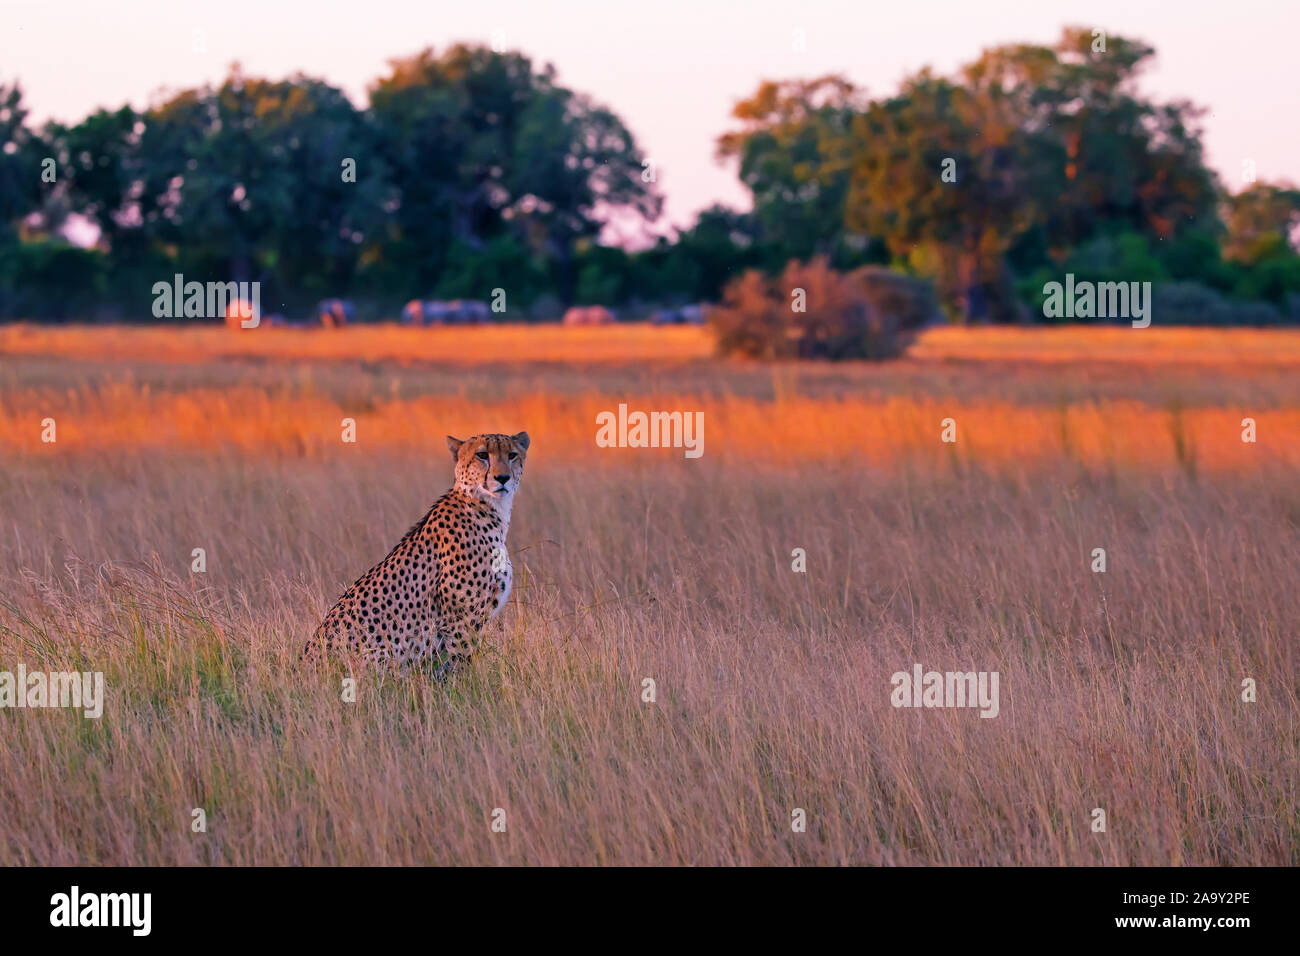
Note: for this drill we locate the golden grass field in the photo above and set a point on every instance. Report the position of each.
(1119, 690)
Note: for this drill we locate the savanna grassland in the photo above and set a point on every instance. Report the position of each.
(1119, 690)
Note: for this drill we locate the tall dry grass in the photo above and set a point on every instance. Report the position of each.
(1118, 690)
(630, 342)
(389, 342)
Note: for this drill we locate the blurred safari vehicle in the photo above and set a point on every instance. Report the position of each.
(456, 312)
(589, 315)
(692, 314)
(334, 313)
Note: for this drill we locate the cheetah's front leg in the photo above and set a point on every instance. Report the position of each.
(458, 647)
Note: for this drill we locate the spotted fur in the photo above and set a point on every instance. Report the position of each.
(447, 577)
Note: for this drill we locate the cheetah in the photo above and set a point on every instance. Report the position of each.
(447, 577)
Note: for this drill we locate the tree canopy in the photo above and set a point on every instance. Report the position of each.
(470, 169)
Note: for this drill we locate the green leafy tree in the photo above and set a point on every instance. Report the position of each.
(21, 151)
(1130, 163)
(1261, 221)
(99, 158)
(249, 178)
(242, 181)
(948, 190)
(1050, 147)
(482, 145)
(794, 154)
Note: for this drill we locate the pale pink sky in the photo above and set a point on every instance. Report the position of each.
(671, 68)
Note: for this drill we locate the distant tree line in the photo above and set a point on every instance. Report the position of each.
(474, 170)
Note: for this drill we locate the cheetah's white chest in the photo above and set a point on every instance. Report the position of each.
(502, 579)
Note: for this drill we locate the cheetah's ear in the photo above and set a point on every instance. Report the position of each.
(454, 444)
(521, 440)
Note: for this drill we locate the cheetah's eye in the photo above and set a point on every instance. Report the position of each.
(482, 456)
(514, 455)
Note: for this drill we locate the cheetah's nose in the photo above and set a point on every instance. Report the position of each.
(502, 478)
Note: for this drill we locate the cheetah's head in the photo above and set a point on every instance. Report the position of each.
(490, 466)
